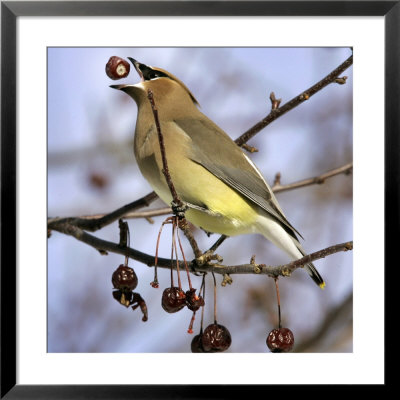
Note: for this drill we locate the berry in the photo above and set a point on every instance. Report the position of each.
(216, 338)
(173, 299)
(117, 68)
(196, 345)
(124, 298)
(280, 340)
(124, 278)
(193, 301)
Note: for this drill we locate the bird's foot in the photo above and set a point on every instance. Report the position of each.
(208, 256)
(179, 209)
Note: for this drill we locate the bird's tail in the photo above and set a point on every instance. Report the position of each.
(312, 271)
(315, 276)
(285, 238)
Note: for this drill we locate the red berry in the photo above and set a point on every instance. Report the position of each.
(280, 340)
(173, 299)
(196, 345)
(124, 278)
(193, 301)
(117, 68)
(216, 338)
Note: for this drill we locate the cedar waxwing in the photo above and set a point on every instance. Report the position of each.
(224, 190)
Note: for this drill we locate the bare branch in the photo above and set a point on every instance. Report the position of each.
(92, 224)
(105, 219)
(104, 246)
(278, 112)
(165, 170)
(317, 180)
(150, 213)
(280, 270)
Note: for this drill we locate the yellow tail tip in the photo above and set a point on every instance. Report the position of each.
(322, 285)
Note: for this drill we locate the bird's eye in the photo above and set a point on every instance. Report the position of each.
(149, 74)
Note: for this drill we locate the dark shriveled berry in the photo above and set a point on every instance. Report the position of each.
(117, 68)
(216, 338)
(280, 340)
(193, 301)
(124, 278)
(196, 345)
(124, 298)
(173, 299)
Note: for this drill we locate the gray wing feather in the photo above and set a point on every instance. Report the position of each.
(237, 172)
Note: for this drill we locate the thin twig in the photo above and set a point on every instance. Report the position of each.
(317, 180)
(149, 213)
(93, 224)
(277, 187)
(274, 101)
(250, 149)
(165, 170)
(278, 112)
(218, 243)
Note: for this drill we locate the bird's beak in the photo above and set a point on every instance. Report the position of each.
(119, 87)
(137, 66)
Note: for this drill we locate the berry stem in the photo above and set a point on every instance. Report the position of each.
(203, 286)
(176, 250)
(155, 281)
(172, 259)
(190, 329)
(184, 259)
(215, 299)
(128, 242)
(279, 302)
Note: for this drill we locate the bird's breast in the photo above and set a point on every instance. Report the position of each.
(227, 211)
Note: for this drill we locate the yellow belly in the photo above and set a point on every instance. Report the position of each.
(228, 212)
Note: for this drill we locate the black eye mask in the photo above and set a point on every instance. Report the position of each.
(149, 74)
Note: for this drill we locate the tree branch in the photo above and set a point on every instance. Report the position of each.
(104, 246)
(93, 223)
(316, 180)
(165, 169)
(82, 222)
(277, 111)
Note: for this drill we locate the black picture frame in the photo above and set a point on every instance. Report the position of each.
(11, 10)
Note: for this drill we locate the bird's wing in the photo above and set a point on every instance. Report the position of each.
(224, 159)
